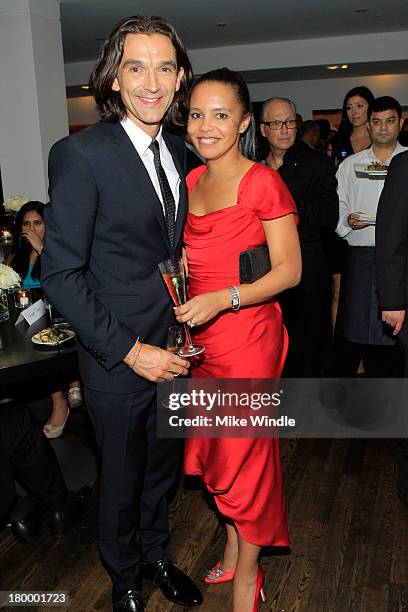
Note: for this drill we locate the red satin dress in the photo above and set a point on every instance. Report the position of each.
(243, 474)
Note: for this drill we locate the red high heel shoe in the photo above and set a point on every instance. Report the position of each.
(259, 588)
(217, 575)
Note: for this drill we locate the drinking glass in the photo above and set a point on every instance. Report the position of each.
(22, 298)
(172, 271)
(4, 310)
(176, 339)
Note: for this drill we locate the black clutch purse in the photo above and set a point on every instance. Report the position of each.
(254, 264)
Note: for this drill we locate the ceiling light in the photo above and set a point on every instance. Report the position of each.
(337, 67)
(84, 86)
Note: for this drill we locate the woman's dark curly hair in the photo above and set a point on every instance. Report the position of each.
(109, 102)
(21, 247)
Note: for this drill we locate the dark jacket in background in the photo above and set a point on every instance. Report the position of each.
(310, 177)
(391, 237)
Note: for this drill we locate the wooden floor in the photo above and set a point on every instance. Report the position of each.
(349, 535)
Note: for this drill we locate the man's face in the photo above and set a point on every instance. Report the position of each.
(283, 138)
(385, 127)
(147, 79)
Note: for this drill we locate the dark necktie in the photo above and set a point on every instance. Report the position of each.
(168, 200)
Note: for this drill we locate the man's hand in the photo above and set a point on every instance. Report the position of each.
(395, 318)
(354, 222)
(155, 364)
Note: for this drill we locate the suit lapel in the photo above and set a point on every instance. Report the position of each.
(138, 174)
(175, 145)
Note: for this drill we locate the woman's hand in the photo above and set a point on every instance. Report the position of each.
(204, 307)
(33, 239)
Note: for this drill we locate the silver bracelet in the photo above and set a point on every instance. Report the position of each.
(235, 299)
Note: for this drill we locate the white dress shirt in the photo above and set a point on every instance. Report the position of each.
(359, 194)
(141, 141)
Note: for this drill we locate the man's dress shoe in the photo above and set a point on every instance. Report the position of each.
(127, 601)
(173, 583)
(59, 523)
(26, 520)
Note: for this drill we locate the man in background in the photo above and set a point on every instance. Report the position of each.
(360, 333)
(391, 235)
(310, 177)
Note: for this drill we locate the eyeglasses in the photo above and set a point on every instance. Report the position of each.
(291, 124)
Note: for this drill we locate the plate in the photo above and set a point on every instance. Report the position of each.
(370, 220)
(69, 335)
(364, 169)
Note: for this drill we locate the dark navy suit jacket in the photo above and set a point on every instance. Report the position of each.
(105, 235)
(391, 237)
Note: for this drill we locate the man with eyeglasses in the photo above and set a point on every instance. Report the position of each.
(310, 177)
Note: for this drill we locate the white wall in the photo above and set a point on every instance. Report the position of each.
(386, 46)
(329, 93)
(307, 95)
(32, 94)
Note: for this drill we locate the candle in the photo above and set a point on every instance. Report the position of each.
(23, 299)
(6, 235)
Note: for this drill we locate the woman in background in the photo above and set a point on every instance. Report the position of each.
(236, 204)
(29, 231)
(353, 135)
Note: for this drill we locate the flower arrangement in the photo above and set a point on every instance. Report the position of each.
(14, 203)
(8, 277)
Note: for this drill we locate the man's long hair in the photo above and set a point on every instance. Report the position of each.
(109, 102)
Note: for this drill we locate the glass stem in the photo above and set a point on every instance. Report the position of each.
(188, 337)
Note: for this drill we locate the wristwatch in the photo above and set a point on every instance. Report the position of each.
(235, 299)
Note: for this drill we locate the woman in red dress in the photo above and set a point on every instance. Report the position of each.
(236, 204)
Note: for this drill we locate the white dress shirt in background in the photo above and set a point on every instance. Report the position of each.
(141, 141)
(359, 194)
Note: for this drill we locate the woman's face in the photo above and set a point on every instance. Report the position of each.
(33, 221)
(216, 119)
(356, 108)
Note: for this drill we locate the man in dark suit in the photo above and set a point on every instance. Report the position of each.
(118, 207)
(310, 177)
(391, 238)
(26, 455)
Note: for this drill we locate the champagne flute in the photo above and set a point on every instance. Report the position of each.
(172, 271)
(176, 339)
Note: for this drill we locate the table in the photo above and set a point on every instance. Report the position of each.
(21, 360)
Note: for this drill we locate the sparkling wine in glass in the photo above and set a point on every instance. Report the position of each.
(172, 271)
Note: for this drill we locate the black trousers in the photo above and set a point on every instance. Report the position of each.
(379, 361)
(306, 315)
(137, 471)
(26, 455)
(402, 446)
